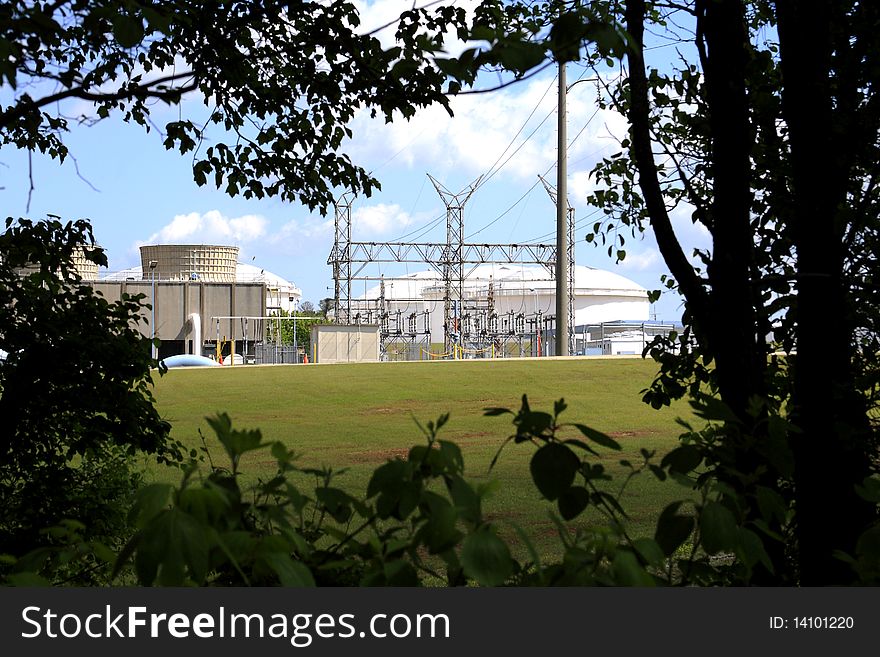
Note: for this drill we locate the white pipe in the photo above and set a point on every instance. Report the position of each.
(197, 333)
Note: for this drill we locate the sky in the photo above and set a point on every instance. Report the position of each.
(135, 192)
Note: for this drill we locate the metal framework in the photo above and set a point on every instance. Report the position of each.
(551, 190)
(449, 259)
(340, 258)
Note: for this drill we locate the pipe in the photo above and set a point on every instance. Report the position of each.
(197, 333)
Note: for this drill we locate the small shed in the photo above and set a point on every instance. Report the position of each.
(345, 343)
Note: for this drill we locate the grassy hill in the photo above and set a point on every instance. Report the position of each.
(357, 416)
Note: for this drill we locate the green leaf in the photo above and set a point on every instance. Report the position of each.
(776, 448)
(573, 501)
(750, 549)
(290, 572)
(206, 505)
(519, 56)
(149, 502)
(234, 441)
(486, 558)
(171, 547)
(650, 551)
(869, 489)
(26, 579)
(439, 532)
(400, 573)
(673, 529)
(682, 459)
(157, 20)
(466, 500)
(388, 477)
(628, 571)
(771, 504)
(336, 501)
(559, 406)
(868, 553)
(452, 457)
(496, 410)
(553, 468)
(533, 423)
(566, 36)
(128, 30)
(598, 437)
(718, 528)
(711, 408)
(398, 492)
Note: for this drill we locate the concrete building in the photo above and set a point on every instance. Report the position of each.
(203, 296)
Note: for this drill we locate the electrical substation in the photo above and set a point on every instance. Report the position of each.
(479, 300)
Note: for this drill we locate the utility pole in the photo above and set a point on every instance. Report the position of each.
(562, 289)
(570, 210)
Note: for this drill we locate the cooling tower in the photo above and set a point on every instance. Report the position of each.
(82, 266)
(181, 262)
(87, 269)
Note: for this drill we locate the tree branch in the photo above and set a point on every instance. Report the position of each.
(145, 90)
(688, 281)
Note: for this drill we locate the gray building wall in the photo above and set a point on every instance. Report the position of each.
(176, 301)
(345, 343)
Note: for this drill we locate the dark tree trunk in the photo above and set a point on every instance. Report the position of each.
(739, 352)
(831, 447)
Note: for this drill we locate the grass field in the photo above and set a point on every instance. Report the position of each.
(359, 415)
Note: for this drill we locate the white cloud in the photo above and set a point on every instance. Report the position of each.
(379, 219)
(212, 227)
(641, 261)
(483, 126)
(580, 186)
(295, 230)
(376, 220)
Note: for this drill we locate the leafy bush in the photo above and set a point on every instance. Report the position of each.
(75, 393)
(421, 522)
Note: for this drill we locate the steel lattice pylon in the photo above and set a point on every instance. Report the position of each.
(448, 259)
(453, 260)
(340, 259)
(551, 190)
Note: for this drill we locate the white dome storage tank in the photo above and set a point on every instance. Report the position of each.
(599, 295)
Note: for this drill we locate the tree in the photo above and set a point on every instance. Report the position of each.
(280, 81)
(75, 393)
(745, 129)
(749, 132)
(283, 331)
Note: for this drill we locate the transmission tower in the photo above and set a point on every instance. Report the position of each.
(340, 258)
(448, 259)
(551, 190)
(453, 259)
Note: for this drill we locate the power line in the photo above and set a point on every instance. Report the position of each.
(490, 173)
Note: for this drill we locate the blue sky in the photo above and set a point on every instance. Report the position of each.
(137, 192)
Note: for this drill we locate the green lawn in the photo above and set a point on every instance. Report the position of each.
(359, 415)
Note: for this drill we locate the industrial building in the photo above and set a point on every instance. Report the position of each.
(201, 297)
(205, 302)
